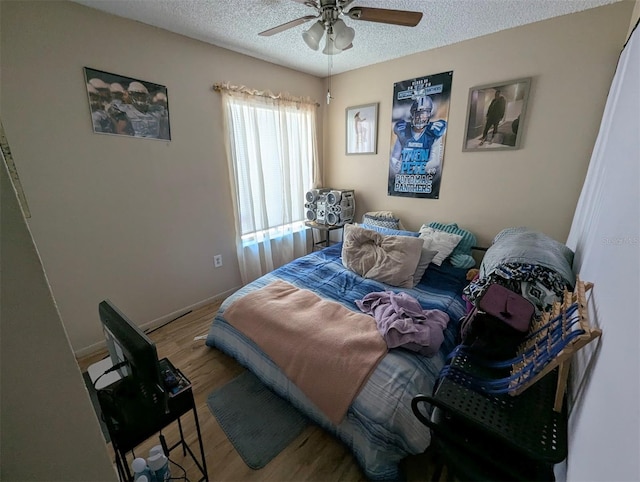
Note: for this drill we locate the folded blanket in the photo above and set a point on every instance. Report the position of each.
(526, 246)
(403, 323)
(327, 350)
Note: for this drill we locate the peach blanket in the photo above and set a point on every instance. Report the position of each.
(327, 350)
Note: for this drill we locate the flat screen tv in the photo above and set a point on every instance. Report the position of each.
(130, 347)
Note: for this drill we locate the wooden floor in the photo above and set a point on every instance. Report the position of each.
(314, 455)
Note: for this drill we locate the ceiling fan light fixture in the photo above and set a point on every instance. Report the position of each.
(343, 34)
(330, 46)
(313, 36)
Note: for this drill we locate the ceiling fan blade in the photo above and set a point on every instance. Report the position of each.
(383, 15)
(288, 25)
(308, 3)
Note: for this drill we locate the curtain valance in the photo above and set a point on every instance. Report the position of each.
(284, 97)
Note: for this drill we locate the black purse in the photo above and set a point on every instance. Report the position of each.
(497, 325)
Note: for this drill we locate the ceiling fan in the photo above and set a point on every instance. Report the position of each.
(339, 35)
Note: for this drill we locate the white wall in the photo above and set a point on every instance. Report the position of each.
(571, 60)
(49, 430)
(134, 220)
(605, 418)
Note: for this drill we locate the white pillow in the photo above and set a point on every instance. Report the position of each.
(440, 241)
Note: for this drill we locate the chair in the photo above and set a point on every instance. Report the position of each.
(507, 420)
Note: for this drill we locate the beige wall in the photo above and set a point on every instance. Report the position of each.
(571, 60)
(635, 16)
(137, 221)
(49, 429)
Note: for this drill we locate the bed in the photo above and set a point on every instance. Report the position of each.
(377, 424)
(379, 427)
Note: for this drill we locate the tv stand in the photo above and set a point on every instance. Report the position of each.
(131, 419)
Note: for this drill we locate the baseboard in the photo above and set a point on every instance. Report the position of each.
(163, 320)
(158, 322)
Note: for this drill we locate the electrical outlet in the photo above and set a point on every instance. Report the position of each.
(217, 260)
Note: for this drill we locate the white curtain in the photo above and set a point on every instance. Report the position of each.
(272, 155)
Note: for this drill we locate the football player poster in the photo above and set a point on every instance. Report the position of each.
(419, 119)
(129, 107)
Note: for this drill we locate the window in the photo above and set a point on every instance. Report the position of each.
(273, 166)
(273, 161)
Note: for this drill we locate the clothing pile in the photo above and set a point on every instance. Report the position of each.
(403, 323)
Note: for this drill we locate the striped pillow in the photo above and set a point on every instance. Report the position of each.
(389, 232)
(461, 255)
(381, 221)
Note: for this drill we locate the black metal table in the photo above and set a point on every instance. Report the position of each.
(482, 436)
(325, 240)
(131, 420)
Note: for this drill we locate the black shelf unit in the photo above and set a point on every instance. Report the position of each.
(131, 420)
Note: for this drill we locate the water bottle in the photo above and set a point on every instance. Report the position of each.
(157, 449)
(158, 465)
(141, 472)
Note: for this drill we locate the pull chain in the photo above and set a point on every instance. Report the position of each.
(329, 62)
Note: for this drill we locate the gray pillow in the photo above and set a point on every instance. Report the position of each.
(528, 246)
(426, 256)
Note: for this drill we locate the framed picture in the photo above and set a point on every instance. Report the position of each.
(124, 106)
(496, 115)
(362, 129)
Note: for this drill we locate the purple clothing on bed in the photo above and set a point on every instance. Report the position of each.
(403, 323)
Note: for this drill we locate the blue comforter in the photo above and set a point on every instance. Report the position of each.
(379, 428)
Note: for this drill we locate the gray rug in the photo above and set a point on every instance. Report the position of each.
(258, 423)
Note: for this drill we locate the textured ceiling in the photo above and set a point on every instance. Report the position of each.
(235, 24)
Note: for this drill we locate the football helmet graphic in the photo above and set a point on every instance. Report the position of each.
(160, 99)
(99, 84)
(117, 91)
(95, 101)
(139, 96)
(421, 111)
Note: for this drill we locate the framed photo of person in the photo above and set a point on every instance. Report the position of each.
(496, 115)
(362, 129)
